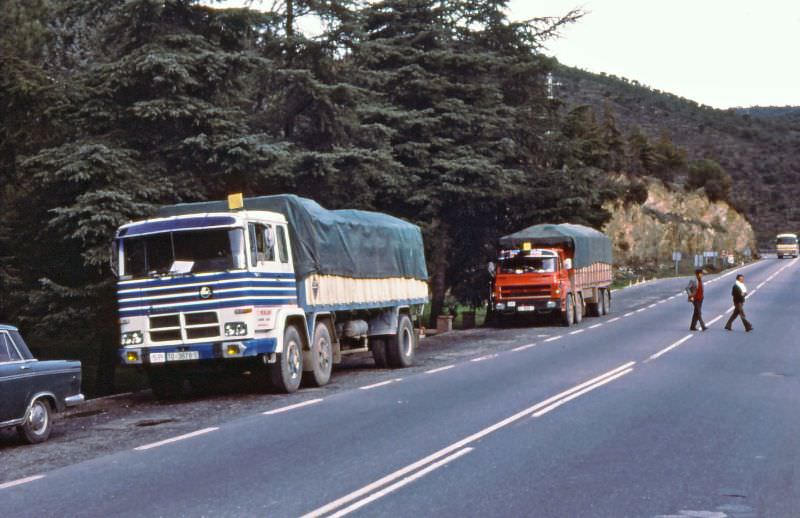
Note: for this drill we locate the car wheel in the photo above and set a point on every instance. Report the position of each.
(38, 423)
(287, 372)
(321, 355)
(400, 348)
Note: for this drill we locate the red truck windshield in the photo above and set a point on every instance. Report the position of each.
(527, 264)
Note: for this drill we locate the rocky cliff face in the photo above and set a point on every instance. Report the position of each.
(647, 234)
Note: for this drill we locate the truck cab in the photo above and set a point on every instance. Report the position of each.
(213, 286)
(529, 281)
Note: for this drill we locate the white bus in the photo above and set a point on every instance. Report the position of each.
(786, 245)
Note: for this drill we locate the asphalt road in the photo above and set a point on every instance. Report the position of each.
(625, 415)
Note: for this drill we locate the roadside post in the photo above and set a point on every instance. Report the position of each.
(676, 257)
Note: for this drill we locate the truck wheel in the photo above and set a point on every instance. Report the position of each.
(594, 309)
(579, 308)
(568, 317)
(38, 423)
(401, 347)
(606, 301)
(321, 355)
(377, 344)
(164, 384)
(287, 372)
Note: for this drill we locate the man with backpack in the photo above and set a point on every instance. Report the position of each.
(739, 293)
(695, 290)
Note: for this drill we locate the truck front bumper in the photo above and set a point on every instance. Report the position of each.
(509, 307)
(175, 354)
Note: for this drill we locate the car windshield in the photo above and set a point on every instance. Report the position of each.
(192, 251)
(787, 240)
(526, 264)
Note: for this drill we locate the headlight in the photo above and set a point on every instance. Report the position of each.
(512, 304)
(132, 338)
(500, 305)
(235, 329)
(551, 303)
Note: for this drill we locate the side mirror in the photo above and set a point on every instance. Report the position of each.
(568, 264)
(491, 268)
(113, 258)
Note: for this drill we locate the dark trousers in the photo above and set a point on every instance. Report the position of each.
(738, 311)
(697, 316)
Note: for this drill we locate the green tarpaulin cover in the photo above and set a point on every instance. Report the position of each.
(589, 245)
(350, 243)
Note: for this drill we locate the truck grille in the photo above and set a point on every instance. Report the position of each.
(169, 328)
(516, 292)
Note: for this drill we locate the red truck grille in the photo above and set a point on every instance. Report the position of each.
(515, 292)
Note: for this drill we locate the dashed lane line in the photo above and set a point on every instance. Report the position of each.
(578, 394)
(292, 407)
(613, 319)
(440, 369)
(381, 384)
(20, 481)
(629, 314)
(483, 358)
(554, 338)
(668, 349)
(523, 347)
(178, 438)
(577, 331)
(595, 326)
(715, 319)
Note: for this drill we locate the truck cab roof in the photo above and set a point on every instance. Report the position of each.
(196, 221)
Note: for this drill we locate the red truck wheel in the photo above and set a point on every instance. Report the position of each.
(568, 317)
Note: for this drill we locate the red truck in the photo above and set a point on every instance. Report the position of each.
(561, 270)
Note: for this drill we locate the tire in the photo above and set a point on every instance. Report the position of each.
(579, 308)
(568, 317)
(287, 372)
(601, 303)
(164, 384)
(400, 348)
(38, 423)
(606, 301)
(321, 355)
(377, 345)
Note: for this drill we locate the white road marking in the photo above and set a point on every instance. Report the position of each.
(440, 369)
(580, 393)
(671, 347)
(176, 439)
(523, 347)
(730, 309)
(640, 310)
(628, 314)
(391, 477)
(613, 319)
(651, 306)
(595, 326)
(20, 481)
(577, 331)
(482, 358)
(715, 319)
(381, 384)
(672, 297)
(553, 338)
(760, 285)
(397, 485)
(292, 407)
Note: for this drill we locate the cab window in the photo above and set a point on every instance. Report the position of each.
(262, 243)
(283, 250)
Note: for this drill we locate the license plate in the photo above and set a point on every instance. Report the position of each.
(526, 308)
(183, 356)
(158, 357)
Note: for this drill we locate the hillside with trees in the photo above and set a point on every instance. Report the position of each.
(758, 147)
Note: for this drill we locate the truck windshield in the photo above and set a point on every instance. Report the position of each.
(788, 240)
(191, 251)
(527, 264)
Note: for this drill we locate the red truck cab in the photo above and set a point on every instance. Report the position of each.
(535, 273)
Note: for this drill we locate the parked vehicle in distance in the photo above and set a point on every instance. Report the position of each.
(275, 285)
(787, 246)
(562, 270)
(33, 391)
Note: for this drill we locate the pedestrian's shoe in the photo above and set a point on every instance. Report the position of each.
(728, 328)
(749, 329)
(705, 327)
(692, 329)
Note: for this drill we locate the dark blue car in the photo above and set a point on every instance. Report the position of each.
(33, 391)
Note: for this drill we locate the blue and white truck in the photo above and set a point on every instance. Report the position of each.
(275, 285)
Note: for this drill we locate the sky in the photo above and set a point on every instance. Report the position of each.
(721, 53)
